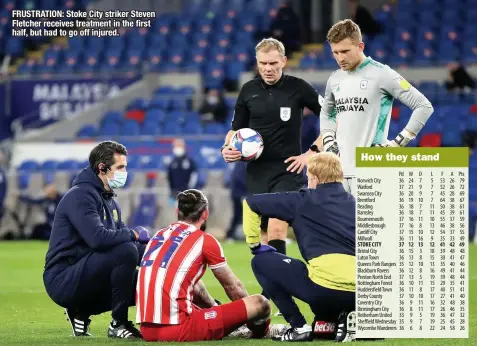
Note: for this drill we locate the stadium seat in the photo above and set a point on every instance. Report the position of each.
(109, 129)
(471, 123)
(14, 46)
(451, 138)
(29, 165)
(186, 90)
(151, 128)
(192, 128)
(146, 212)
(160, 101)
(28, 67)
(49, 165)
(138, 104)
(116, 44)
(431, 140)
(112, 117)
(214, 129)
(155, 115)
(130, 128)
(171, 128)
(69, 165)
(49, 177)
(23, 180)
(87, 131)
(179, 103)
(77, 43)
(150, 162)
(136, 115)
(133, 159)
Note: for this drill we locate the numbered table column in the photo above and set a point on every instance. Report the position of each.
(459, 252)
(411, 242)
(452, 242)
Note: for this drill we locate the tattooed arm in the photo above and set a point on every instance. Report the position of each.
(202, 298)
(234, 289)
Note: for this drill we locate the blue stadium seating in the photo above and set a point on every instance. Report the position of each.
(168, 114)
(215, 38)
(220, 33)
(87, 131)
(49, 165)
(29, 166)
(70, 165)
(15, 46)
(425, 36)
(146, 212)
(421, 33)
(23, 180)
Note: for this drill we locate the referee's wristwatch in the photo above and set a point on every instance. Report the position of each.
(314, 148)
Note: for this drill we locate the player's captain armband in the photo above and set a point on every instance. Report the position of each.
(329, 142)
(404, 84)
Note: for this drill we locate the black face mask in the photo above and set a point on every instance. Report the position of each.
(203, 227)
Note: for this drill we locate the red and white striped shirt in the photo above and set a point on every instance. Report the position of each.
(174, 261)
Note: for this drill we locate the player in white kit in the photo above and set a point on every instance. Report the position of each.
(360, 96)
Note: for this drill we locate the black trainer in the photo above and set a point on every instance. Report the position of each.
(79, 324)
(296, 334)
(346, 331)
(124, 330)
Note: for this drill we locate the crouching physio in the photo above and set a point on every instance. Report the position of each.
(323, 219)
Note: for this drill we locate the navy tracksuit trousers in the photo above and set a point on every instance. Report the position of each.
(98, 282)
(283, 278)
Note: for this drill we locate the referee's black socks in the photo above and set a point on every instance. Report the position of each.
(280, 245)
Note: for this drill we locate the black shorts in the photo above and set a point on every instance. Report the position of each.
(272, 176)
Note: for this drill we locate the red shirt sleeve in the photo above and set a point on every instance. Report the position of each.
(213, 252)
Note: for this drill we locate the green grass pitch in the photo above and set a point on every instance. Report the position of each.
(29, 317)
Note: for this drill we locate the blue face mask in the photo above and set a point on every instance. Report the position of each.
(118, 181)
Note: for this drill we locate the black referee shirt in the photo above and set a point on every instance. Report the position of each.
(276, 111)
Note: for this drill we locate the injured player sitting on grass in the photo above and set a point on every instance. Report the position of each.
(173, 303)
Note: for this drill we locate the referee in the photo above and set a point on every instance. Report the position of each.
(272, 105)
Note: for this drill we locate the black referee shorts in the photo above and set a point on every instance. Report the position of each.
(269, 177)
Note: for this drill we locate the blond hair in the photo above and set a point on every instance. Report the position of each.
(343, 30)
(326, 167)
(268, 44)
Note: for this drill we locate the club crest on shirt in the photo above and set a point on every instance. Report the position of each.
(363, 84)
(210, 315)
(285, 113)
(115, 215)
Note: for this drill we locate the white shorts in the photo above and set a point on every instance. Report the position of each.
(349, 184)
